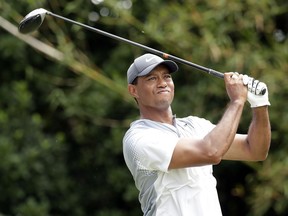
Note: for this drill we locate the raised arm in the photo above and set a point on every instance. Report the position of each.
(255, 145)
(223, 142)
(211, 149)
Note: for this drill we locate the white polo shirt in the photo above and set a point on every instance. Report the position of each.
(148, 147)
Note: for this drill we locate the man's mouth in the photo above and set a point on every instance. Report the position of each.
(163, 91)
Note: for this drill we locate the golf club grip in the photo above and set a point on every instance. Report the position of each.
(207, 70)
(199, 67)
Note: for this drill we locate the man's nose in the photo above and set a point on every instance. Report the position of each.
(162, 83)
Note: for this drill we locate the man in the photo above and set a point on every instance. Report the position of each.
(171, 158)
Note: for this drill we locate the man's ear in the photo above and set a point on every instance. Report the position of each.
(132, 90)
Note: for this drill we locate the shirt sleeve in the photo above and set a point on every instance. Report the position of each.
(154, 149)
(201, 126)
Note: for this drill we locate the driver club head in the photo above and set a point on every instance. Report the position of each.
(32, 21)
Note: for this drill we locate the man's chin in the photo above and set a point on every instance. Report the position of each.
(164, 104)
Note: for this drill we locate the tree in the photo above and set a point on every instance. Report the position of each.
(63, 116)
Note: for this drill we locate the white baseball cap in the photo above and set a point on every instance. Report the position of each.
(144, 64)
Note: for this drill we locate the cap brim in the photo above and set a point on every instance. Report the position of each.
(172, 67)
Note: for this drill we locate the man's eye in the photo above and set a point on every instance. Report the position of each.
(151, 78)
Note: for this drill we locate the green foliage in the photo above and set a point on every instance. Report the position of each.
(61, 132)
(270, 195)
(33, 169)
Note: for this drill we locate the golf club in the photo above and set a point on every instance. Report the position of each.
(34, 19)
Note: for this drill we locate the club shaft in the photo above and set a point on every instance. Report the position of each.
(149, 49)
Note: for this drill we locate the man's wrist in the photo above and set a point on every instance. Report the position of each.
(238, 102)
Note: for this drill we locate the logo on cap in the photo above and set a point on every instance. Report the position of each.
(149, 59)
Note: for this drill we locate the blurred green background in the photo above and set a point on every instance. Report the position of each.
(64, 106)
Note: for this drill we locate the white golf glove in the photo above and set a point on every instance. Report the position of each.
(257, 92)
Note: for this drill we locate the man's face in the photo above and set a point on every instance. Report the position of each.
(155, 90)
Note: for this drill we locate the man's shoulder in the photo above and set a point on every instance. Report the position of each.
(194, 122)
(192, 119)
(139, 127)
(148, 128)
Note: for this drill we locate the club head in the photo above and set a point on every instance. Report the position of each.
(32, 21)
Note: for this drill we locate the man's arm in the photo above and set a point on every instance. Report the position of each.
(210, 150)
(255, 145)
(223, 142)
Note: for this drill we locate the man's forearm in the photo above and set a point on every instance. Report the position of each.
(223, 134)
(259, 134)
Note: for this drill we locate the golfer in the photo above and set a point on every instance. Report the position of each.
(171, 158)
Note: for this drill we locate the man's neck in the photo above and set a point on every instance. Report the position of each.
(163, 116)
